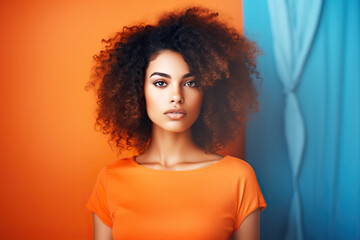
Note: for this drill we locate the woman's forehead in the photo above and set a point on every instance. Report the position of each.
(168, 64)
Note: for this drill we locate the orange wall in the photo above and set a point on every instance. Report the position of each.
(50, 153)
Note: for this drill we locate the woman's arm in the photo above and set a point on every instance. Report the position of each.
(249, 228)
(101, 230)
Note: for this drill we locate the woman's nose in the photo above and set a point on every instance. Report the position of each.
(177, 95)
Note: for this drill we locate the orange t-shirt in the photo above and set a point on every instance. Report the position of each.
(206, 203)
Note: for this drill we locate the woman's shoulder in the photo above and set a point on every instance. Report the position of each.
(240, 166)
(117, 164)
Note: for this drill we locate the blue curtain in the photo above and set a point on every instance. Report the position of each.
(305, 142)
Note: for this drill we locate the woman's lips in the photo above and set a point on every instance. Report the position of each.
(175, 113)
(175, 116)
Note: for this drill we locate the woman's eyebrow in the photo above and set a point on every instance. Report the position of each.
(168, 76)
(188, 75)
(161, 74)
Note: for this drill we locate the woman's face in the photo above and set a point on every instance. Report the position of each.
(173, 101)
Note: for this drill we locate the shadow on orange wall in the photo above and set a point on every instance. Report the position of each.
(50, 153)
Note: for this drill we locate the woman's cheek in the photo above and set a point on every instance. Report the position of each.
(195, 103)
(154, 103)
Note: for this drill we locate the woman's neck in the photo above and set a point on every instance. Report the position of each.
(170, 148)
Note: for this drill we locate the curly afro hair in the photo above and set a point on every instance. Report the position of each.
(221, 60)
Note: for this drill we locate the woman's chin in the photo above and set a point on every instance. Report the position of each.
(173, 128)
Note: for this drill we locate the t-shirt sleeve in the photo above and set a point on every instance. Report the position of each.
(98, 202)
(250, 197)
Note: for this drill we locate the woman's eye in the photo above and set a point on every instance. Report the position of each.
(160, 84)
(190, 84)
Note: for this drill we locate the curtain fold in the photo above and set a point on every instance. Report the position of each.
(315, 48)
(294, 24)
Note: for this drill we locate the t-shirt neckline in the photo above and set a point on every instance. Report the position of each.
(132, 159)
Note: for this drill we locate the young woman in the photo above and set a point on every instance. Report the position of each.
(176, 92)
